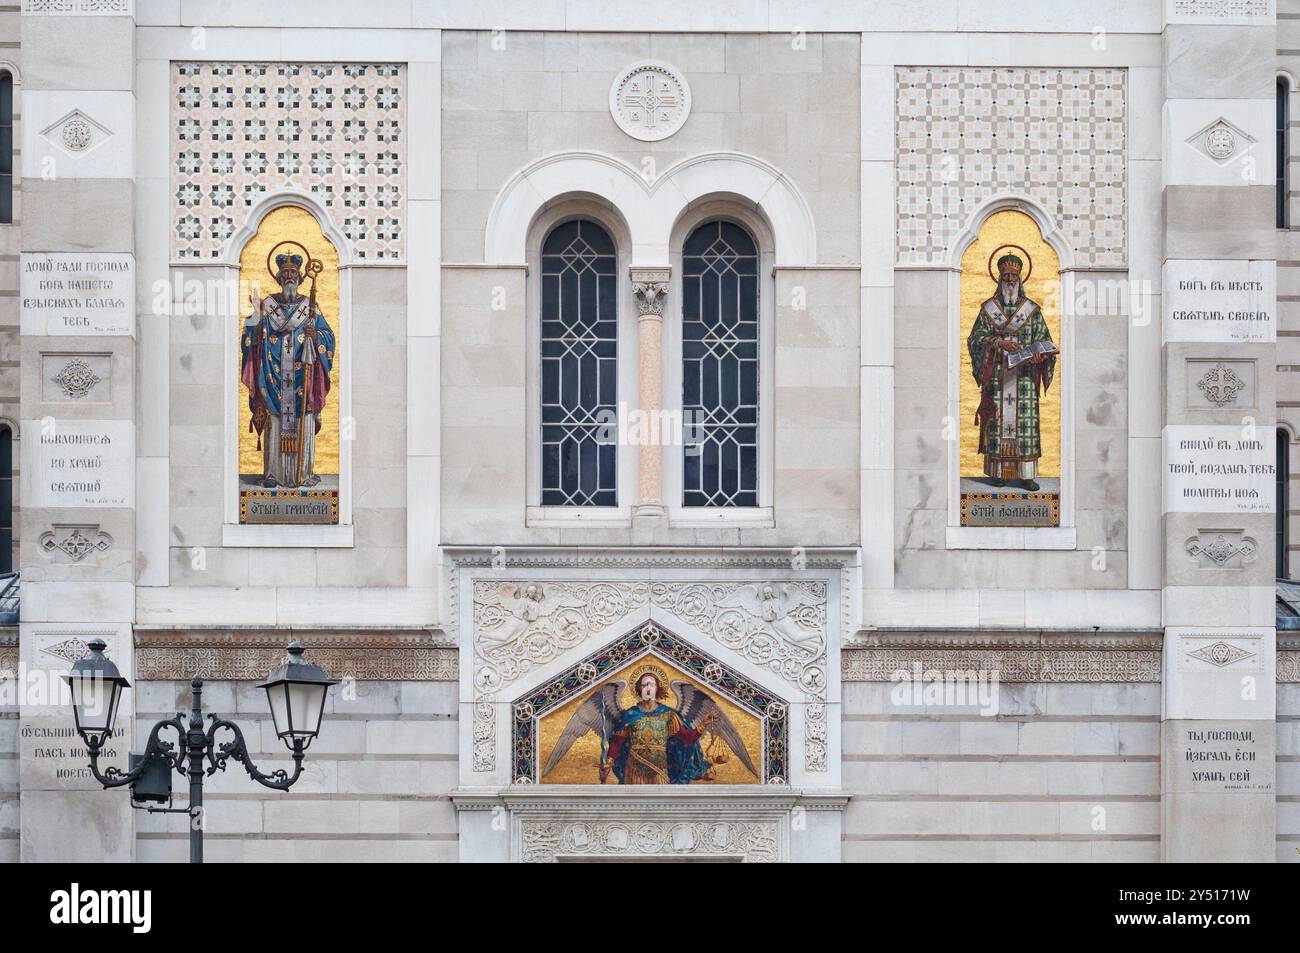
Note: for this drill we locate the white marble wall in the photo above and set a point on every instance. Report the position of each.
(374, 787)
(859, 381)
(1067, 772)
(510, 98)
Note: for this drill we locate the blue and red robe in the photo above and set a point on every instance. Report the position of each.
(656, 747)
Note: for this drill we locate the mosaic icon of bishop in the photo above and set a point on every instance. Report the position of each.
(286, 354)
(1014, 359)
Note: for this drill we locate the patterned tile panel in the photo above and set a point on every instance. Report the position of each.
(967, 134)
(335, 131)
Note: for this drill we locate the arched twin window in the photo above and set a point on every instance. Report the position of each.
(579, 393)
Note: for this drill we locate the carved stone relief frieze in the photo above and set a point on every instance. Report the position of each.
(236, 655)
(1222, 548)
(1017, 658)
(76, 377)
(1220, 384)
(547, 841)
(73, 544)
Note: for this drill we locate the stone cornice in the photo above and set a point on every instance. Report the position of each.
(522, 557)
(616, 800)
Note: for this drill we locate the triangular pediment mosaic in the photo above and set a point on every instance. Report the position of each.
(602, 721)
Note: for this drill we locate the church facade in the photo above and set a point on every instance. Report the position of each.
(870, 426)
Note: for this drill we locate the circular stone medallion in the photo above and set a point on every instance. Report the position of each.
(76, 134)
(1220, 143)
(650, 101)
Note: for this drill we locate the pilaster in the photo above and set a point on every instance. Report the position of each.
(1217, 347)
(78, 313)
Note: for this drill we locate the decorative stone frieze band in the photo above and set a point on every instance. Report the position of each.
(547, 841)
(233, 655)
(1019, 657)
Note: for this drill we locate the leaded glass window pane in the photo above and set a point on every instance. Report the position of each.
(6, 499)
(1283, 91)
(720, 366)
(579, 366)
(6, 148)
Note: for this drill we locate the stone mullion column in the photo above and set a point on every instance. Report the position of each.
(1218, 416)
(650, 290)
(78, 317)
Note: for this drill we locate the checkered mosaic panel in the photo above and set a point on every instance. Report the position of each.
(967, 134)
(332, 130)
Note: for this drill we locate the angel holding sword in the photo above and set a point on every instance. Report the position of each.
(650, 742)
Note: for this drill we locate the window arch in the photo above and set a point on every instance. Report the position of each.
(578, 395)
(6, 147)
(720, 366)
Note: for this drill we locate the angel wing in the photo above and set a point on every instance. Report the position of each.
(697, 706)
(588, 718)
(748, 598)
(792, 597)
(497, 594)
(555, 600)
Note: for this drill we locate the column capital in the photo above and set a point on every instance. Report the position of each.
(650, 288)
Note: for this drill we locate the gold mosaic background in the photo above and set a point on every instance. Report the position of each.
(290, 223)
(1011, 228)
(579, 766)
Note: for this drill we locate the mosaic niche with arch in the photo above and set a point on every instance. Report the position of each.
(718, 727)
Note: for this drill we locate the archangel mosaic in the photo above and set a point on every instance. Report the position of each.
(725, 434)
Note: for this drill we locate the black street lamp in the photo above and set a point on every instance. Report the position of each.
(295, 689)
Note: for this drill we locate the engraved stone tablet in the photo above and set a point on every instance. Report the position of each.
(1214, 756)
(77, 293)
(1217, 469)
(1220, 301)
(80, 463)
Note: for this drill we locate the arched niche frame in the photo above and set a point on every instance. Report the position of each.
(236, 309)
(556, 212)
(1064, 535)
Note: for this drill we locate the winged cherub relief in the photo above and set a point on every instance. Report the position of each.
(652, 742)
(521, 606)
(791, 611)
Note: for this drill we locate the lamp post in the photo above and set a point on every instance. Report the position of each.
(295, 690)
